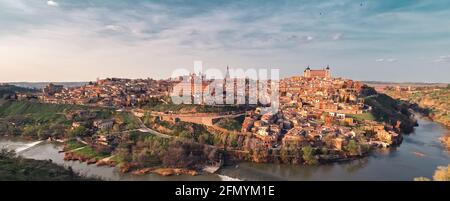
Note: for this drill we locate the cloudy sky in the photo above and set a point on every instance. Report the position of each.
(80, 40)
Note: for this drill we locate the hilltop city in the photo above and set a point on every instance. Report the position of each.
(133, 123)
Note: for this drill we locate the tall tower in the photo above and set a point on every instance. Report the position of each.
(327, 72)
(307, 72)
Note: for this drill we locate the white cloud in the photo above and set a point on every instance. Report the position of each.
(114, 27)
(220, 34)
(390, 60)
(442, 59)
(336, 36)
(52, 3)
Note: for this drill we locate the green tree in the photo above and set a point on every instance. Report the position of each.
(124, 154)
(308, 155)
(290, 153)
(43, 133)
(353, 148)
(442, 174)
(78, 132)
(233, 141)
(30, 130)
(146, 158)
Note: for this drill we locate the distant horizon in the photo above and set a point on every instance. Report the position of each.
(86, 81)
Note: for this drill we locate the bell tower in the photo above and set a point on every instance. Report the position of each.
(327, 72)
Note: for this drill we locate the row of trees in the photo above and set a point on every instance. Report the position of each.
(152, 151)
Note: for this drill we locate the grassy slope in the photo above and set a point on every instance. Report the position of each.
(436, 100)
(232, 124)
(364, 116)
(40, 110)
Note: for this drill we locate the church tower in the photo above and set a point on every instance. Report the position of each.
(307, 72)
(327, 72)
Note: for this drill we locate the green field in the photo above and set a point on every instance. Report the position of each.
(89, 152)
(232, 124)
(34, 120)
(364, 116)
(41, 112)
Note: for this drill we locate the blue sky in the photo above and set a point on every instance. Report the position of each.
(74, 40)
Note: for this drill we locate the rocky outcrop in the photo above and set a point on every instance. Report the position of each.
(106, 162)
(165, 171)
(446, 141)
(393, 112)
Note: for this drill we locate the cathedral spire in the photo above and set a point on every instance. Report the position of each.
(227, 75)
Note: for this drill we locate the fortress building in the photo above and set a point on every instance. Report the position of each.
(324, 73)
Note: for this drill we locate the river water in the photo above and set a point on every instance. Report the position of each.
(419, 155)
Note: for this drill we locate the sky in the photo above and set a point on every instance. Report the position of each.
(82, 40)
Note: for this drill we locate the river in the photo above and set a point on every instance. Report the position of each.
(419, 155)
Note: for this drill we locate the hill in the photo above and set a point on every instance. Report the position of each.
(7, 89)
(389, 110)
(431, 101)
(41, 85)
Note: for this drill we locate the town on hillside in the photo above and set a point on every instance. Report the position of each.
(320, 119)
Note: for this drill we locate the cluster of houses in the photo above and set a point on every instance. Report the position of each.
(111, 92)
(315, 109)
(319, 110)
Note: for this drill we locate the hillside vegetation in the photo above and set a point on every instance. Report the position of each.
(13, 168)
(432, 101)
(387, 109)
(33, 120)
(6, 89)
(39, 111)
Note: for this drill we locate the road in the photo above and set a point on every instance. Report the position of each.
(143, 128)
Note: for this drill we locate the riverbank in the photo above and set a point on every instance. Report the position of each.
(165, 171)
(76, 153)
(433, 102)
(446, 140)
(73, 151)
(16, 168)
(52, 151)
